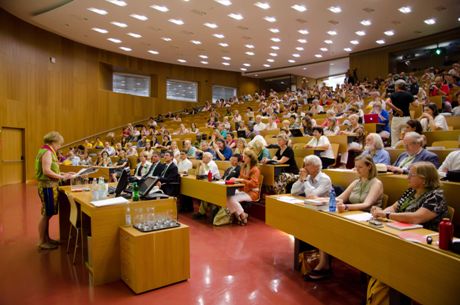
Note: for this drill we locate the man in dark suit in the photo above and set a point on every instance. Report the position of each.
(169, 177)
(234, 170)
(157, 167)
(414, 153)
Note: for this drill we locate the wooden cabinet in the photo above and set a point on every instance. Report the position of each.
(155, 259)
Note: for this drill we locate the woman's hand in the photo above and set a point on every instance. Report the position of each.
(377, 212)
(341, 207)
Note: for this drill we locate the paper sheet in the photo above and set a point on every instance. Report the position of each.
(109, 201)
(289, 199)
(363, 216)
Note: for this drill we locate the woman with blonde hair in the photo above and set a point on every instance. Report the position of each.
(260, 150)
(240, 146)
(249, 176)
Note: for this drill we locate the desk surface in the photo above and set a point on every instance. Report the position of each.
(423, 272)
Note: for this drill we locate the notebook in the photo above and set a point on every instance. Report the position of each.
(403, 226)
(371, 118)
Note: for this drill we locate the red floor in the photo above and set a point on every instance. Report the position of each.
(229, 265)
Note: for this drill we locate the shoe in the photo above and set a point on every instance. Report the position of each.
(243, 219)
(198, 216)
(47, 246)
(54, 242)
(316, 275)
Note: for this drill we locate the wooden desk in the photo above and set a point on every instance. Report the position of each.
(432, 136)
(102, 171)
(441, 153)
(271, 172)
(422, 272)
(102, 255)
(212, 192)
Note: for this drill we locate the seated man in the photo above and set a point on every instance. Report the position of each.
(109, 149)
(204, 148)
(234, 170)
(169, 177)
(190, 149)
(414, 153)
(452, 162)
(223, 152)
(259, 125)
(184, 164)
(312, 182)
(206, 165)
(157, 167)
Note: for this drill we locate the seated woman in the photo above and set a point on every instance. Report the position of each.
(230, 141)
(411, 125)
(194, 129)
(332, 128)
(361, 194)
(431, 120)
(260, 150)
(422, 203)
(85, 159)
(249, 176)
(384, 118)
(122, 162)
(355, 130)
(182, 130)
(374, 148)
(240, 146)
(320, 141)
(104, 160)
(131, 150)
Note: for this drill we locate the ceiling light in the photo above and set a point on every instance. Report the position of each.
(249, 46)
(224, 2)
(335, 9)
(291, 61)
(203, 56)
(332, 33)
(243, 69)
(266, 65)
(139, 17)
(119, 24)
(204, 62)
(97, 11)
(405, 9)
(299, 7)
(226, 64)
(304, 68)
(262, 5)
(226, 58)
(430, 21)
(355, 42)
(250, 53)
(154, 52)
(114, 40)
(181, 60)
(246, 65)
(236, 16)
(347, 50)
(275, 47)
(273, 30)
(126, 49)
(220, 36)
(270, 19)
(302, 40)
(328, 41)
(99, 30)
(360, 33)
(275, 39)
(223, 44)
(166, 38)
(295, 55)
(195, 42)
(273, 54)
(324, 49)
(389, 33)
(176, 21)
(135, 35)
(318, 55)
(366, 22)
(118, 2)
(380, 41)
(303, 31)
(299, 49)
(270, 60)
(160, 8)
(210, 25)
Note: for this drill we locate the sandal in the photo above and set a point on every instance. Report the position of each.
(243, 219)
(54, 242)
(47, 246)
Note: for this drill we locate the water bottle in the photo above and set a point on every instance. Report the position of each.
(209, 176)
(332, 202)
(446, 233)
(101, 188)
(94, 190)
(135, 192)
(128, 216)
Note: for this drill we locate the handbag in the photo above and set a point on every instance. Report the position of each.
(223, 217)
(308, 260)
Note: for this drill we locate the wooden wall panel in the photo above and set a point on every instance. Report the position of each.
(71, 96)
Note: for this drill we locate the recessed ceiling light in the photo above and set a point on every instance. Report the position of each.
(236, 16)
(262, 5)
(389, 33)
(273, 30)
(119, 24)
(275, 39)
(270, 19)
(210, 25)
(195, 42)
(303, 31)
(203, 56)
(99, 30)
(160, 8)
(273, 54)
(355, 42)
(250, 53)
(266, 65)
(270, 60)
(224, 2)
(296, 55)
(299, 7)
(226, 58)
(302, 40)
(291, 61)
(97, 11)
(126, 49)
(360, 33)
(139, 17)
(114, 40)
(430, 21)
(335, 9)
(249, 46)
(154, 52)
(458, 19)
(176, 21)
(328, 41)
(135, 35)
(275, 47)
(243, 69)
(223, 44)
(299, 49)
(331, 64)
(226, 64)
(304, 68)
(220, 36)
(332, 33)
(118, 2)
(181, 60)
(405, 9)
(318, 55)
(366, 22)
(166, 38)
(380, 41)
(347, 50)
(204, 62)
(324, 49)
(246, 65)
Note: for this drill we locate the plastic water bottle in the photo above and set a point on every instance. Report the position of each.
(94, 190)
(332, 202)
(128, 222)
(101, 188)
(135, 192)
(209, 176)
